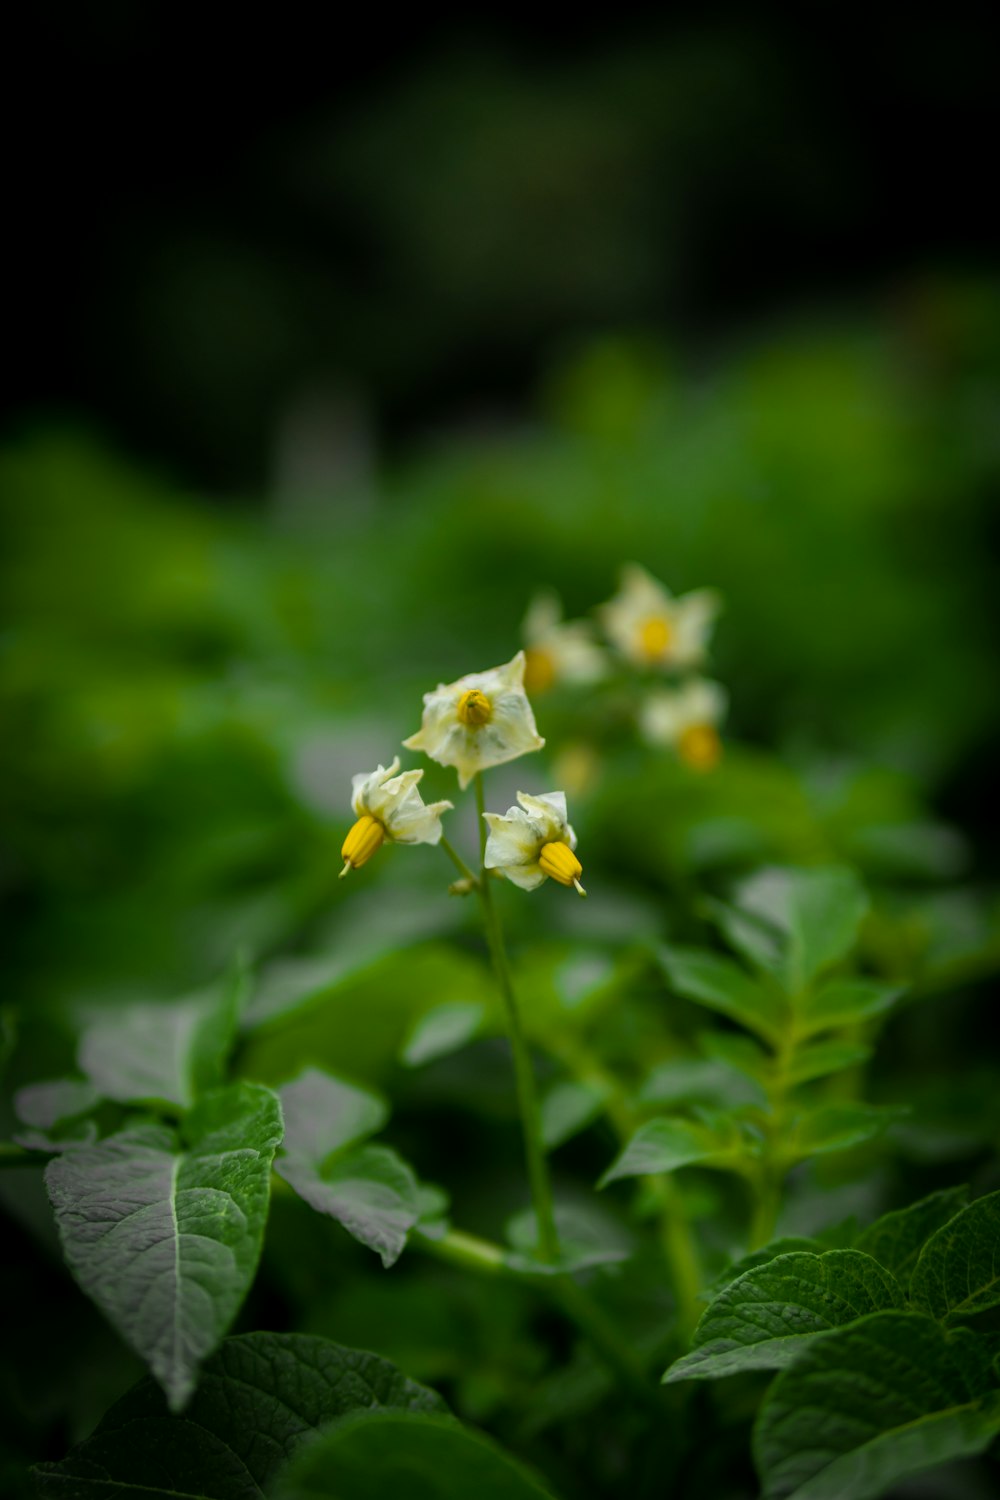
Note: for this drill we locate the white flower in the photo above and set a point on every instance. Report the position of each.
(652, 628)
(388, 806)
(481, 720)
(558, 650)
(686, 719)
(534, 841)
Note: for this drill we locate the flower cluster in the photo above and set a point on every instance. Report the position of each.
(485, 719)
(650, 631)
(481, 720)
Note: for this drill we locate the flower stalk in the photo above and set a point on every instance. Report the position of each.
(527, 1096)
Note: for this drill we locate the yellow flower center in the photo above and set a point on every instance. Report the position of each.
(364, 839)
(474, 708)
(655, 636)
(560, 863)
(699, 747)
(539, 670)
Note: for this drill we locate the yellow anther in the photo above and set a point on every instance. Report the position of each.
(699, 747)
(364, 839)
(560, 863)
(474, 708)
(539, 670)
(655, 635)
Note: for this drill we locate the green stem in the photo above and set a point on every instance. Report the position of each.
(466, 1250)
(594, 1323)
(459, 862)
(774, 1164)
(474, 1254)
(676, 1237)
(527, 1097)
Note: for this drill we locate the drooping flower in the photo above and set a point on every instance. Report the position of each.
(534, 842)
(558, 650)
(653, 629)
(686, 718)
(388, 806)
(483, 719)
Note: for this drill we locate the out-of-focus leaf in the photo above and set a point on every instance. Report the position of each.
(164, 1233)
(164, 1052)
(586, 1237)
(368, 1189)
(569, 1107)
(844, 1002)
(374, 1455)
(700, 1081)
(823, 1058)
(819, 912)
(260, 1397)
(665, 1145)
(46, 1104)
(838, 1127)
(441, 1031)
(721, 985)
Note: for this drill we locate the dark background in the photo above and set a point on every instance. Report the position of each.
(211, 212)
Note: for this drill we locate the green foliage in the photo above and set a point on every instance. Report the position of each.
(369, 1455)
(763, 1319)
(261, 1397)
(778, 958)
(368, 1189)
(163, 1228)
(870, 1404)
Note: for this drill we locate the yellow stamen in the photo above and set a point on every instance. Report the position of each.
(655, 636)
(362, 841)
(539, 670)
(474, 708)
(560, 863)
(699, 747)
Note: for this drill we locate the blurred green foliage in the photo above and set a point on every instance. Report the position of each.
(185, 696)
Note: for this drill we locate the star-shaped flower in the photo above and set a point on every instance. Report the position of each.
(687, 719)
(481, 720)
(534, 842)
(388, 806)
(558, 650)
(653, 629)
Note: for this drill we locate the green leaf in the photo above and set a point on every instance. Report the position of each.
(665, 1145)
(323, 1114)
(759, 941)
(784, 1245)
(819, 912)
(958, 1271)
(823, 1058)
(164, 1232)
(697, 1080)
(442, 1031)
(44, 1105)
(838, 1127)
(260, 1397)
(151, 1051)
(371, 1456)
(897, 1239)
(739, 1052)
(568, 1107)
(368, 1189)
(865, 1406)
(587, 1237)
(55, 1113)
(721, 985)
(844, 1002)
(764, 1318)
